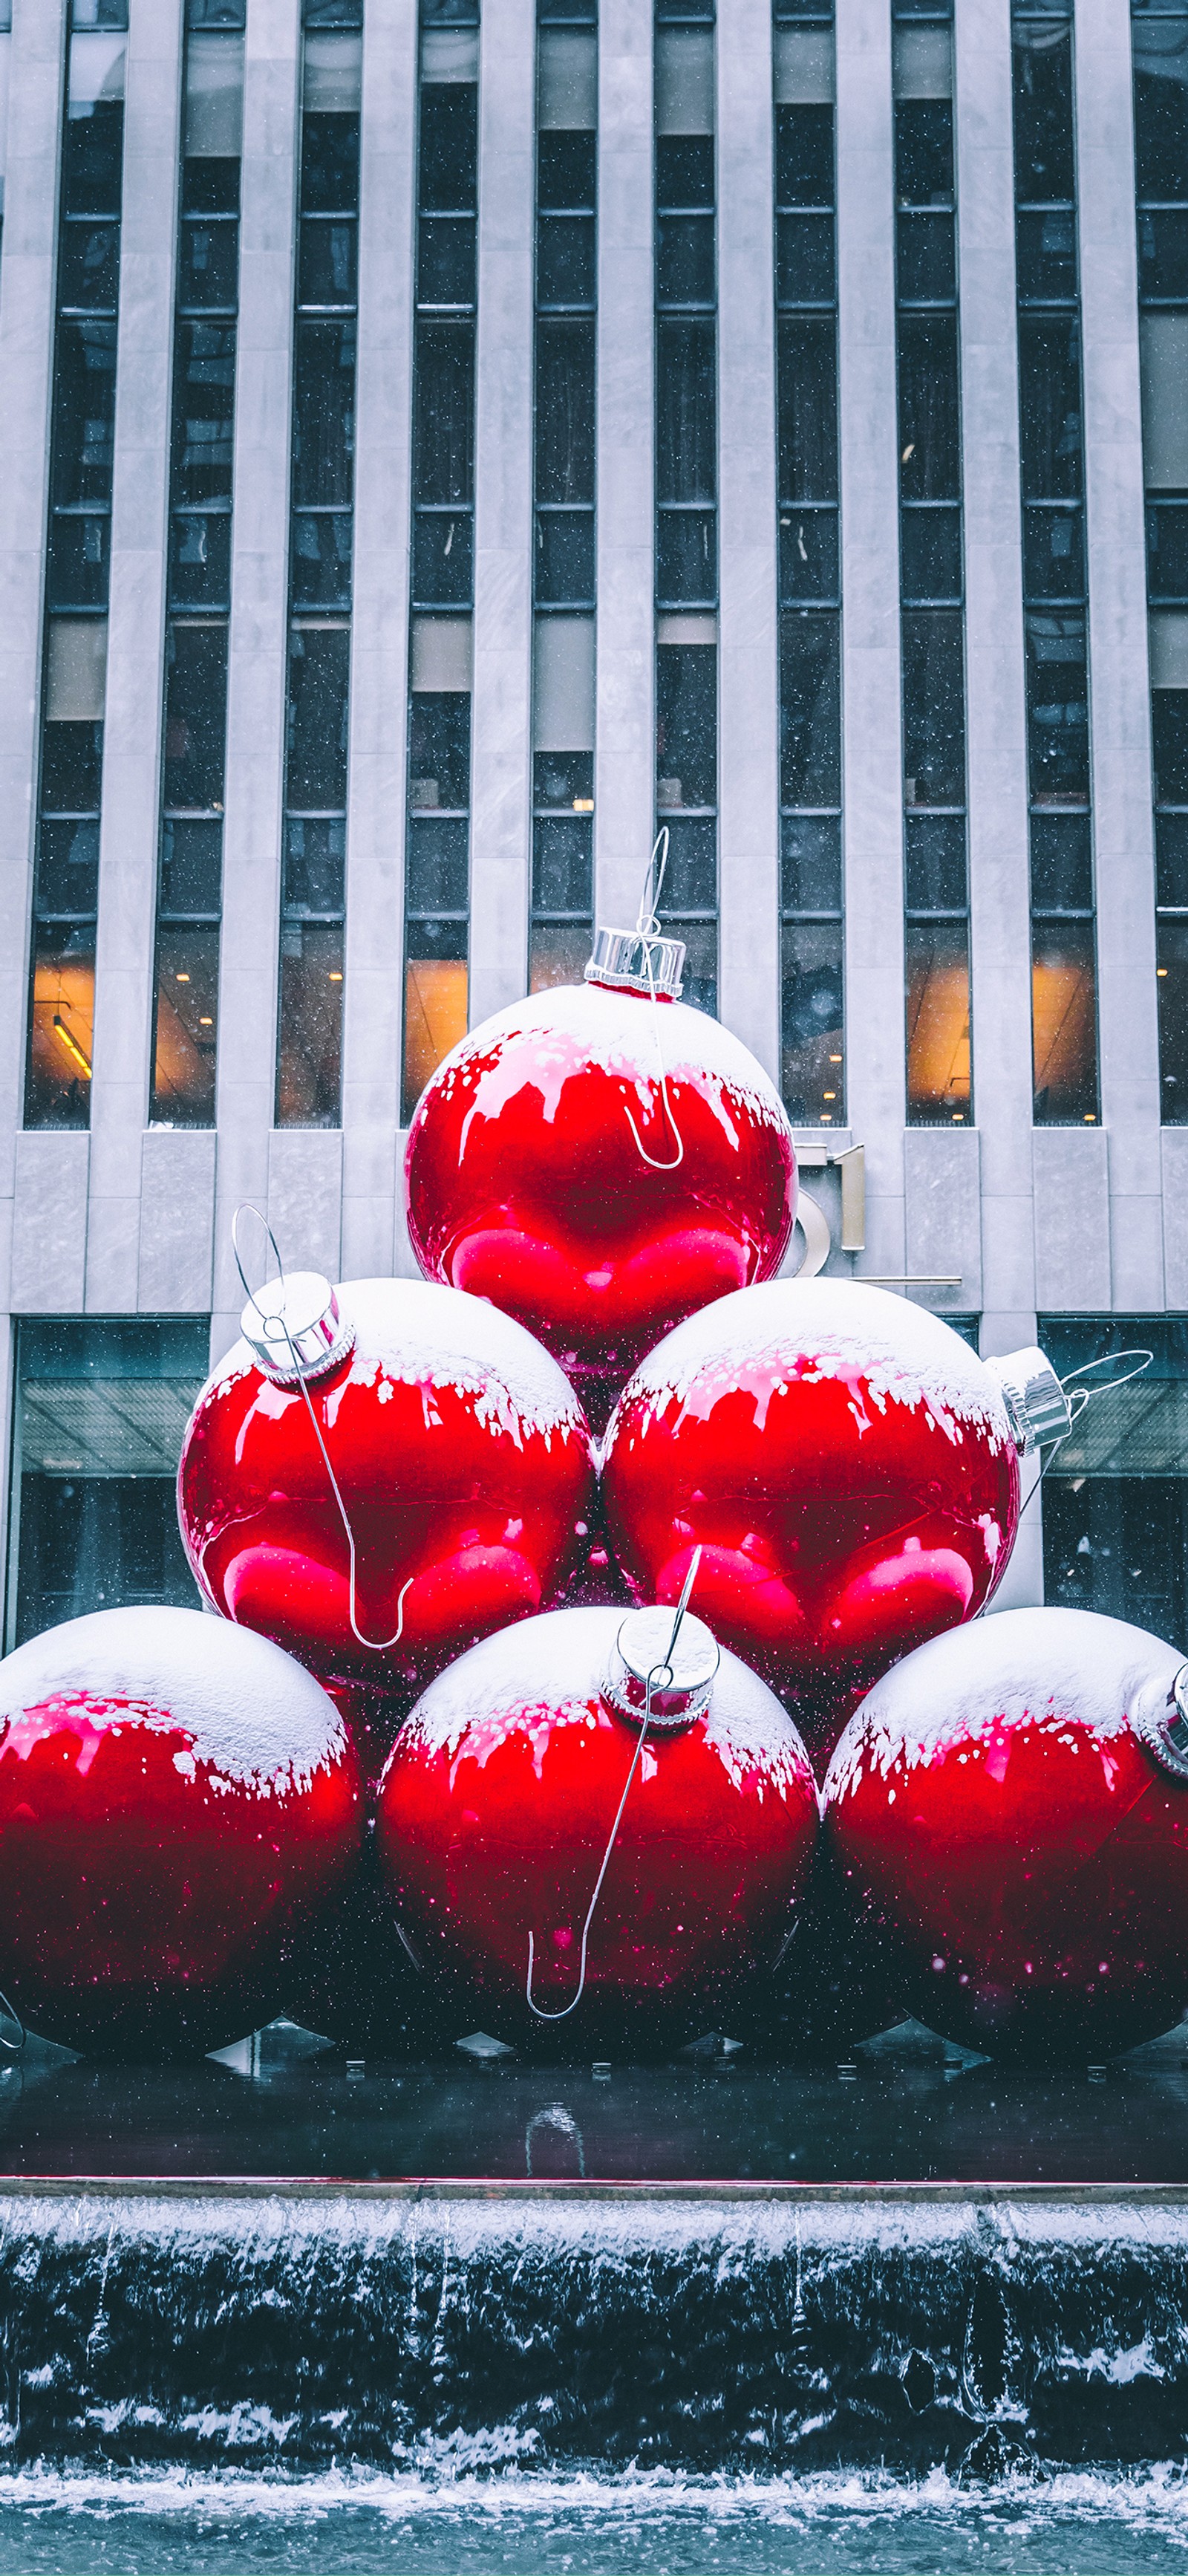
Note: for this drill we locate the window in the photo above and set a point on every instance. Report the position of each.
(686, 379)
(1116, 1501)
(101, 1411)
(564, 550)
(60, 1046)
(931, 574)
(809, 540)
(1051, 431)
(189, 887)
(437, 862)
(313, 891)
(1160, 46)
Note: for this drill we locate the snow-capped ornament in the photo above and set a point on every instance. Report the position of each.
(849, 1467)
(179, 1804)
(572, 1871)
(379, 1473)
(1010, 1807)
(601, 1160)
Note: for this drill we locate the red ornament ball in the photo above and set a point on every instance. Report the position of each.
(462, 1459)
(1010, 1806)
(498, 1803)
(847, 1465)
(600, 1165)
(178, 1803)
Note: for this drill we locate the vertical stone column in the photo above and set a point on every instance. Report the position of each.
(135, 654)
(873, 758)
(625, 758)
(748, 687)
(1119, 682)
(258, 643)
(501, 718)
(26, 360)
(379, 644)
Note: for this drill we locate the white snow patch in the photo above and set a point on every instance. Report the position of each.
(1040, 1668)
(502, 1682)
(891, 1351)
(252, 1713)
(411, 1332)
(618, 1033)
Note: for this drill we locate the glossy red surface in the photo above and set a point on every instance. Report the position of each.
(527, 1186)
(464, 1463)
(494, 1815)
(154, 1899)
(1015, 1840)
(845, 1509)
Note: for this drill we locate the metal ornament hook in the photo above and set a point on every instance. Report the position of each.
(248, 1207)
(648, 926)
(373, 1645)
(648, 917)
(658, 1679)
(1079, 1397)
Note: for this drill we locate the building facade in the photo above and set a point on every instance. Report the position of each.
(443, 441)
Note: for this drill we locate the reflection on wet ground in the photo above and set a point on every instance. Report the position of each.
(905, 2107)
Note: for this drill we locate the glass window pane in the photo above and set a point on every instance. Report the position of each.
(435, 1001)
(1061, 863)
(438, 864)
(443, 430)
(439, 749)
(187, 1001)
(804, 155)
(1064, 1023)
(1050, 409)
(1043, 113)
(563, 866)
(687, 724)
(812, 1070)
(309, 1054)
(700, 987)
(811, 863)
(935, 863)
(936, 957)
(62, 1021)
(686, 412)
(807, 411)
(191, 869)
(810, 708)
(319, 672)
(195, 716)
(1057, 709)
(691, 876)
(564, 411)
(324, 413)
(557, 953)
(929, 409)
(1172, 982)
(84, 412)
(933, 707)
(200, 559)
(446, 170)
(203, 413)
(315, 865)
(100, 1418)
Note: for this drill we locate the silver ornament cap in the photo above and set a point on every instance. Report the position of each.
(643, 961)
(295, 1329)
(1036, 1402)
(1162, 1725)
(681, 1690)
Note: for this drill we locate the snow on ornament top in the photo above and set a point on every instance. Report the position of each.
(252, 1713)
(601, 1160)
(409, 1332)
(1040, 1669)
(884, 1349)
(491, 1694)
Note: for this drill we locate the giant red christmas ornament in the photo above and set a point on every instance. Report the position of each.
(499, 1803)
(601, 1160)
(848, 1466)
(380, 1473)
(1010, 1805)
(178, 1803)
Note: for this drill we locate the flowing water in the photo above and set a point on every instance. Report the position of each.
(1083, 2524)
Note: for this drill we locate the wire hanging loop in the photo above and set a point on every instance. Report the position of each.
(373, 1645)
(12, 2047)
(659, 1678)
(248, 1207)
(648, 928)
(1079, 1397)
